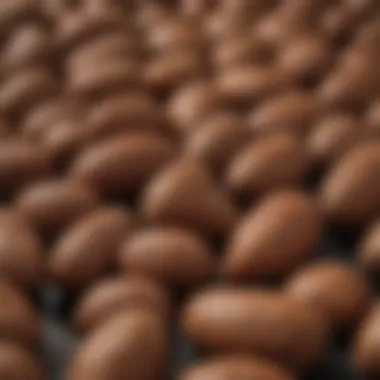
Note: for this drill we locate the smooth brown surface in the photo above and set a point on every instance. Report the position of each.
(263, 322)
(268, 164)
(131, 345)
(350, 191)
(273, 237)
(236, 367)
(172, 255)
(16, 363)
(19, 322)
(336, 288)
(106, 298)
(369, 248)
(365, 346)
(185, 194)
(54, 204)
(123, 162)
(87, 250)
(21, 252)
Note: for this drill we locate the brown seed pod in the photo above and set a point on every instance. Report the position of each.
(131, 345)
(292, 111)
(75, 27)
(250, 82)
(372, 118)
(111, 296)
(17, 363)
(28, 45)
(88, 248)
(173, 33)
(192, 102)
(218, 138)
(253, 250)
(349, 194)
(267, 164)
(106, 76)
(19, 322)
(184, 194)
(24, 90)
(171, 255)
(364, 351)
(123, 162)
(122, 112)
(174, 68)
(369, 248)
(21, 256)
(305, 57)
(52, 205)
(236, 367)
(21, 162)
(332, 137)
(280, 326)
(40, 117)
(337, 289)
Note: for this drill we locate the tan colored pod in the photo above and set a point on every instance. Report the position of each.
(107, 76)
(123, 162)
(130, 111)
(132, 345)
(172, 69)
(170, 255)
(174, 33)
(263, 322)
(336, 288)
(236, 367)
(52, 205)
(369, 248)
(17, 363)
(292, 111)
(192, 102)
(27, 45)
(365, 347)
(274, 237)
(269, 163)
(19, 322)
(16, 12)
(350, 192)
(88, 249)
(75, 27)
(21, 162)
(111, 296)
(305, 56)
(239, 48)
(65, 137)
(21, 253)
(23, 90)
(184, 194)
(332, 137)
(218, 138)
(40, 117)
(372, 118)
(112, 45)
(250, 82)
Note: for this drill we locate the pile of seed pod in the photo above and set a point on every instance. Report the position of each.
(181, 163)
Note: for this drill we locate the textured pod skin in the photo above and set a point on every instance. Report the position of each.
(132, 345)
(123, 163)
(267, 323)
(87, 250)
(173, 256)
(369, 248)
(276, 236)
(236, 367)
(338, 290)
(350, 193)
(108, 297)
